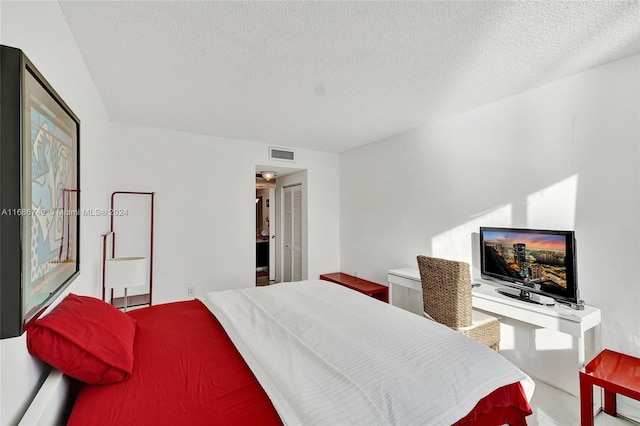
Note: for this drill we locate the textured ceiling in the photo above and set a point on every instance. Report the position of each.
(334, 75)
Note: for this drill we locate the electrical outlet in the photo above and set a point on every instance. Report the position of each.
(191, 291)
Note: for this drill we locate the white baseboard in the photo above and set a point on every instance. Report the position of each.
(628, 408)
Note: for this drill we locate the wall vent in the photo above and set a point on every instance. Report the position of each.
(283, 154)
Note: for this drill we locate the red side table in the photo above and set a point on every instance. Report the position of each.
(369, 288)
(614, 372)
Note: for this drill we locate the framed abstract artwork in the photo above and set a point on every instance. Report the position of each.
(39, 193)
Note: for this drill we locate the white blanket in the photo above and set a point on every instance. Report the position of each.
(327, 355)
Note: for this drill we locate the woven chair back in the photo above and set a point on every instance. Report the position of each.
(446, 290)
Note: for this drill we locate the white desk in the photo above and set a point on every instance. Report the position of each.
(486, 298)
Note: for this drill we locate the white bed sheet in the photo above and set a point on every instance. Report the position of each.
(328, 355)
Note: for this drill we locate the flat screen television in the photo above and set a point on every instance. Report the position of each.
(531, 260)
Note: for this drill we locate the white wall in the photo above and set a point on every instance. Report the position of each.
(205, 206)
(41, 31)
(563, 156)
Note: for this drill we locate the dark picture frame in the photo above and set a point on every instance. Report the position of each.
(39, 193)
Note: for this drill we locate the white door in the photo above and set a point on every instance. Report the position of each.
(292, 233)
(272, 234)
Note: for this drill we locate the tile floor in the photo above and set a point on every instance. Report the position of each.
(262, 276)
(552, 406)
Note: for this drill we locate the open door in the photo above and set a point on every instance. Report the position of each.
(272, 234)
(286, 243)
(265, 230)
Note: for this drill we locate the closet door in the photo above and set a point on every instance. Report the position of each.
(292, 233)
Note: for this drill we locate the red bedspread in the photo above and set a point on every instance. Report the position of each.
(506, 405)
(187, 372)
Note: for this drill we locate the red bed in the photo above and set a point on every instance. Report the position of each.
(187, 371)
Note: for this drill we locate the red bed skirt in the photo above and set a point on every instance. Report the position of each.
(187, 371)
(507, 405)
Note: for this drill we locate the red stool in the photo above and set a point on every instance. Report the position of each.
(614, 372)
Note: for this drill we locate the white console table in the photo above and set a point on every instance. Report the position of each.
(485, 297)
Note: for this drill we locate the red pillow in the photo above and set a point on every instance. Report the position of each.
(85, 338)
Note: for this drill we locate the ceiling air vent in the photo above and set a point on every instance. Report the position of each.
(282, 154)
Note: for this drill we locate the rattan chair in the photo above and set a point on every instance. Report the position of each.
(446, 295)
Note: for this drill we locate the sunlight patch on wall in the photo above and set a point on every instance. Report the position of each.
(507, 337)
(456, 243)
(554, 207)
(551, 340)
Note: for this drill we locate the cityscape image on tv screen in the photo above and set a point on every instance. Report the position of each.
(534, 260)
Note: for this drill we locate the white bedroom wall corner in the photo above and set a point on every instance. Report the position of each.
(322, 203)
(205, 206)
(636, 89)
(323, 206)
(492, 159)
(387, 217)
(610, 135)
(45, 44)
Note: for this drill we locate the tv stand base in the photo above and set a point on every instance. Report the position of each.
(526, 296)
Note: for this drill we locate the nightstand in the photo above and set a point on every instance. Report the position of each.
(369, 288)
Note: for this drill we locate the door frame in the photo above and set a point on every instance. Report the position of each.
(285, 176)
(273, 226)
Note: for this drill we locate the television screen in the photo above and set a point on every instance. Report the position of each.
(536, 261)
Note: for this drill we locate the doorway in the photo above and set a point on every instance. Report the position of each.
(284, 221)
(265, 250)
